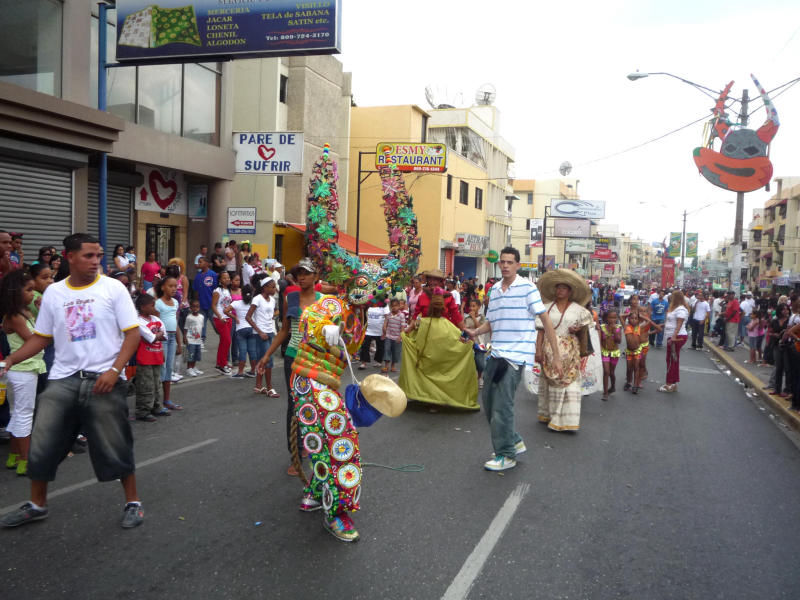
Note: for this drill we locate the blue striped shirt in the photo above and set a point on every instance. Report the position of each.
(512, 316)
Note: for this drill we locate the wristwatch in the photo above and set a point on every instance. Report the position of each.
(116, 370)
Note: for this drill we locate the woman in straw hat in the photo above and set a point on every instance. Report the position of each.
(564, 293)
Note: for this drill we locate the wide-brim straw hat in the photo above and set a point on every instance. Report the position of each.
(384, 395)
(547, 286)
(434, 273)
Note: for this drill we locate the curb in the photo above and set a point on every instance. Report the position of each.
(779, 405)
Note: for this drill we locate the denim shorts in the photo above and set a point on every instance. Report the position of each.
(68, 407)
(194, 353)
(755, 341)
(392, 351)
(262, 346)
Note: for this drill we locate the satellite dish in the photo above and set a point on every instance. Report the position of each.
(565, 168)
(439, 96)
(485, 95)
(429, 96)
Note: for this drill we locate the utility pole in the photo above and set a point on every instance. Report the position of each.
(737, 230)
(683, 249)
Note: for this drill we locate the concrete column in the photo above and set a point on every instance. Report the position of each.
(219, 200)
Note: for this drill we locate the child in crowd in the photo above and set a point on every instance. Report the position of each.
(261, 317)
(393, 326)
(610, 339)
(167, 307)
(376, 315)
(633, 340)
(756, 329)
(149, 361)
(473, 320)
(245, 337)
(194, 338)
(16, 295)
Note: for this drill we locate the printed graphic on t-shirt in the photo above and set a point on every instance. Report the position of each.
(78, 316)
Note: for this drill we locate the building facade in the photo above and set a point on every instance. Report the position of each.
(775, 240)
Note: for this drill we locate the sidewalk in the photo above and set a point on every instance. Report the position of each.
(755, 377)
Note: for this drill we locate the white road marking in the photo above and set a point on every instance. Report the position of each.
(701, 370)
(461, 585)
(83, 484)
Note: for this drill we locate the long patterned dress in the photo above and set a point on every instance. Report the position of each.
(326, 429)
(560, 402)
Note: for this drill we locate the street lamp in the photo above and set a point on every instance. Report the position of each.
(639, 75)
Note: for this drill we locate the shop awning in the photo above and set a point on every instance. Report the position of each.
(348, 242)
(757, 228)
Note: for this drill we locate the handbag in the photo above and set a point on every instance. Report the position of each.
(362, 413)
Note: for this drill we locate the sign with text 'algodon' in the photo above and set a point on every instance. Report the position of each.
(421, 157)
(206, 30)
(269, 153)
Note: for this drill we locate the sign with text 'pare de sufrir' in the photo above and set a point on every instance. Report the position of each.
(269, 153)
(206, 30)
(419, 157)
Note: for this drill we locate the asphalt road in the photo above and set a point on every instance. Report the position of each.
(689, 495)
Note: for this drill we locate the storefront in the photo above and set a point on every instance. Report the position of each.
(470, 250)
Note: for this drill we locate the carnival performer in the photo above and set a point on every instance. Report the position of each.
(435, 279)
(611, 338)
(592, 365)
(438, 367)
(633, 352)
(564, 292)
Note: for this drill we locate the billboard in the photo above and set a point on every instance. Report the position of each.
(674, 248)
(579, 246)
(691, 245)
(667, 272)
(162, 191)
(420, 157)
(581, 209)
(210, 30)
(269, 153)
(576, 228)
(536, 227)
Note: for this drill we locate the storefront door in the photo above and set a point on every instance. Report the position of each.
(161, 240)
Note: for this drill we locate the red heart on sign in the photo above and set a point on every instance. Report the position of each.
(262, 152)
(155, 179)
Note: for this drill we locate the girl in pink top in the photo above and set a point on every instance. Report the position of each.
(755, 335)
(149, 270)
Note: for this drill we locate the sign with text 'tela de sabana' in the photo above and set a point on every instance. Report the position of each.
(206, 30)
(269, 153)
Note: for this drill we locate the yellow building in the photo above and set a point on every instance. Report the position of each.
(452, 207)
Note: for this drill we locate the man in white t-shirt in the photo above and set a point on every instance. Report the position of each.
(700, 312)
(203, 252)
(746, 306)
(93, 324)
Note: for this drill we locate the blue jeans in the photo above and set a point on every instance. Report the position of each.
(392, 351)
(657, 338)
(208, 314)
(235, 345)
(246, 340)
(262, 346)
(498, 402)
(742, 324)
(170, 345)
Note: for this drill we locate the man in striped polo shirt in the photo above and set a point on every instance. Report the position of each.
(514, 304)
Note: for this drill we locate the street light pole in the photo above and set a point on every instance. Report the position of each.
(683, 249)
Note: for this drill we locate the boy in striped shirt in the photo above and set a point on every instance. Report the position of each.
(393, 326)
(514, 304)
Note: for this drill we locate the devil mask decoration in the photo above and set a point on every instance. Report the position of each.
(742, 163)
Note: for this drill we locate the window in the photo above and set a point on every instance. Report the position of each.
(478, 198)
(30, 44)
(424, 136)
(283, 89)
(463, 197)
(279, 181)
(530, 198)
(178, 99)
(527, 250)
(449, 187)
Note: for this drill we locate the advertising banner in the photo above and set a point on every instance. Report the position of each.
(581, 209)
(602, 254)
(210, 30)
(163, 191)
(608, 268)
(197, 195)
(549, 262)
(674, 248)
(536, 227)
(667, 272)
(470, 244)
(272, 153)
(241, 220)
(579, 246)
(577, 228)
(691, 245)
(426, 158)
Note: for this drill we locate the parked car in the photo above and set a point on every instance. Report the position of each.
(626, 293)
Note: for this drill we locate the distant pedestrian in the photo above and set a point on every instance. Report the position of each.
(94, 325)
(675, 332)
(732, 316)
(205, 282)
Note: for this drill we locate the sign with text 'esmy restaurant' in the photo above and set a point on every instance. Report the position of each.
(421, 157)
(271, 153)
(207, 30)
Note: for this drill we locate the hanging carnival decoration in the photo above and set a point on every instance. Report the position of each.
(359, 280)
(742, 163)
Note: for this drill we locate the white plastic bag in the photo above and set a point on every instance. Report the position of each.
(531, 376)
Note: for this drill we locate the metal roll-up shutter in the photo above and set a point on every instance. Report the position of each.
(35, 200)
(119, 214)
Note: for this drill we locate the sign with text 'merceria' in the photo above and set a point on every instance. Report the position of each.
(206, 30)
(421, 157)
(273, 153)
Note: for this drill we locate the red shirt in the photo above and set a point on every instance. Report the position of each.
(732, 313)
(150, 270)
(451, 309)
(150, 354)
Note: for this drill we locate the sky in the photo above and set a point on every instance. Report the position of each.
(560, 69)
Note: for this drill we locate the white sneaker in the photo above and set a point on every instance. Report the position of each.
(500, 463)
(190, 372)
(176, 378)
(519, 448)
(203, 345)
(198, 371)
